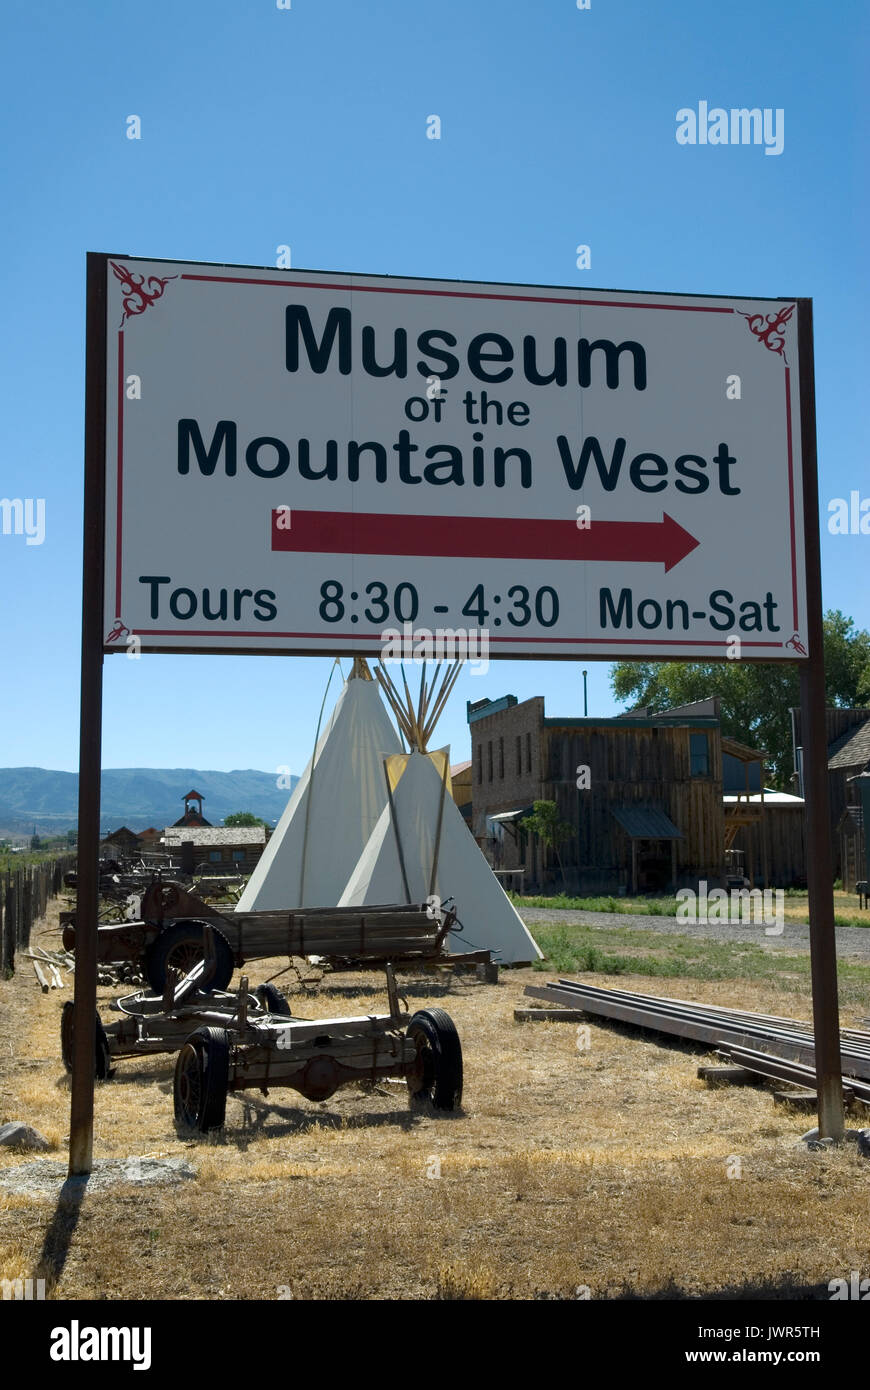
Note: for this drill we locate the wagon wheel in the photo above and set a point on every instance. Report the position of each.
(436, 1075)
(202, 1080)
(101, 1054)
(273, 1000)
(180, 947)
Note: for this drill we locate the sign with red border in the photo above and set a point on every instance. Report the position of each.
(303, 461)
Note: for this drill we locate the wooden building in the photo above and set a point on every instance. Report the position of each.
(642, 792)
(193, 810)
(848, 735)
(850, 847)
(216, 849)
(777, 839)
(120, 843)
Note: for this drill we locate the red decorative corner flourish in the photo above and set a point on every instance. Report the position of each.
(139, 293)
(117, 631)
(797, 644)
(768, 328)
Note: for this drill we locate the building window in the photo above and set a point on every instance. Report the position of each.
(528, 752)
(519, 755)
(480, 762)
(214, 856)
(489, 760)
(699, 755)
(501, 758)
(238, 856)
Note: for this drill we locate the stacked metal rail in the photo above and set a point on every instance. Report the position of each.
(782, 1048)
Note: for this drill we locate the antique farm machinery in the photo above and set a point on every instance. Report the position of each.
(169, 933)
(233, 1041)
(317, 1056)
(153, 1023)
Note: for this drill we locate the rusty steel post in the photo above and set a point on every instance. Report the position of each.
(820, 871)
(81, 1129)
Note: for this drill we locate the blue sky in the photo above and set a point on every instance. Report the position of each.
(307, 127)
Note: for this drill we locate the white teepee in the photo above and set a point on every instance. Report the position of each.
(421, 845)
(334, 807)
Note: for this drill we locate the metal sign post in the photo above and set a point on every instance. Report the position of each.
(820, 871)
(81, 1130)
(302, 462)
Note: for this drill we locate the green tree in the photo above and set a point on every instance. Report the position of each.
(243, 818)
(756, 697)
(552, 832)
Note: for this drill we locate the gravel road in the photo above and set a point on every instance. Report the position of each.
(852, 942)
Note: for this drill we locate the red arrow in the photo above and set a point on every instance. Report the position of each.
(481, 537)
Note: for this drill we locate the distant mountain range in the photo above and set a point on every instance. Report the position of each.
(135, 796)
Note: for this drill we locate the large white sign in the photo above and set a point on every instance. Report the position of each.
(300, 461)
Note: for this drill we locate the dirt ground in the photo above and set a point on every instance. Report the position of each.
(568, 1173)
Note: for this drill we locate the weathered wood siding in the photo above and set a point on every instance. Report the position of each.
(641, 767)
(784, 828)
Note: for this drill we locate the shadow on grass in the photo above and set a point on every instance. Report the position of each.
(58, 1237)
(124, 1072)
(669, 1042)
(257, 1116)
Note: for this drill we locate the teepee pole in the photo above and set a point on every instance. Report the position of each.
(393, 700)
(427, 703)
(449, 681)
(441, 698)
(410, 714)
(398, 837)
(434, 872)
(421, 705)
(308, 799)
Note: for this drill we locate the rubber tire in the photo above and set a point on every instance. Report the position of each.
(172, 936)
(213, 1048)
(442, 1075)
(273, 1000)
(102, 1070)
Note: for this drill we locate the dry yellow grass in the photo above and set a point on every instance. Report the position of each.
(606, 1168)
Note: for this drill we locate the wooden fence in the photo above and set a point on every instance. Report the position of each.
(24, 897)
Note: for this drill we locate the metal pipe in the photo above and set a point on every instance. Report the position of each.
(710, 1025)
(396, 832)
(820, 875)
(81, 1125)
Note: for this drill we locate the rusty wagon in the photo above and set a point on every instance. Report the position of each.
(317, 1056)
(154, 1023)
(169, 934)
(228, 1042)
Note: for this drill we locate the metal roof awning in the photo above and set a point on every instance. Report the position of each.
(646, 823)
(509, 816)
(743, 752)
